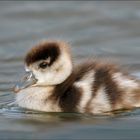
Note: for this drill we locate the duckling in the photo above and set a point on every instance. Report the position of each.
(55, 84)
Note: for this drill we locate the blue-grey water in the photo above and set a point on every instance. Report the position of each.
(108, 30)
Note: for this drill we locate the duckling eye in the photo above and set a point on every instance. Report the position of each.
(43, 65)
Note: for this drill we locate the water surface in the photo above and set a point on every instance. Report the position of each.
(108, 30)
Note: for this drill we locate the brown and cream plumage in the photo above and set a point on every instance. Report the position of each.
(90, 87)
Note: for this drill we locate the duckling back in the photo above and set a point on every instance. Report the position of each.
(97, 88)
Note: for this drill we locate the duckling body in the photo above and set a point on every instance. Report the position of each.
(90, 87)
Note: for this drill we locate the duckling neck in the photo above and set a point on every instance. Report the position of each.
(67, 95)
(64, 86)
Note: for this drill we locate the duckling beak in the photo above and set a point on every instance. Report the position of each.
(27, 81)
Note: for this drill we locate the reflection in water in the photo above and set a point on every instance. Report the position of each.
(109, 30)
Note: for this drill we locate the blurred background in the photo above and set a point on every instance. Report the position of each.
(104, 29)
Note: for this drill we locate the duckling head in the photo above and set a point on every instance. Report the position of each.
(49, 62)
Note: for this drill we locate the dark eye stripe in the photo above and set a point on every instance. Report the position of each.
(42, 52)
(43, 65)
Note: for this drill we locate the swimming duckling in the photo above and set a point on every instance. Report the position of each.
(54, 84)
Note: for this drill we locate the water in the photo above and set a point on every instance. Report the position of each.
(109, 30)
